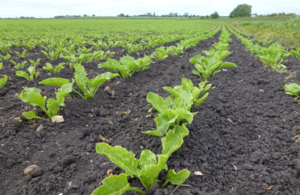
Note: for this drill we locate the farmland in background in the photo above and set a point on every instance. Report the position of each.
(282, 29)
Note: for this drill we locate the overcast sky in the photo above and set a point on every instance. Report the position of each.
(50, 8)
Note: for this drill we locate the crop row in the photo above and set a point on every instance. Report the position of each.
(125, 67)
(132, 42)
(272, 56)
(172, 111)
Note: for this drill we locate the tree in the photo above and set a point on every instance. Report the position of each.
(207, 17)
(242, 10)
(93, 15)
(215, 15)
(121, 15)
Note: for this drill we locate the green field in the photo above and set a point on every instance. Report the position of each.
(284, 30)
(106, 106)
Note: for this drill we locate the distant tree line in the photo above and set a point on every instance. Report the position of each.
(25, 17)
(149, 14)
(279, 14)
(67, 16)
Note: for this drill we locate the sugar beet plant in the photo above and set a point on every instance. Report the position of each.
(18, 65)
(51, 106)
(295, 53)
(127, 65)
(89, 87)
(212, 64)
(177, 106)
(52, 69)
(292, 89)
(3, 81)
(32, 73)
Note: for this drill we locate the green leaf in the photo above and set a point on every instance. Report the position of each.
(149, 173)
(115, 185)
(228, 65)
(157, 102)
(3, 81)
(119, 156)
(163, 123)
(63, 92)
(111, 64)
(55, 81)
(171, 101)
(81, 79)
(199, 101)
(22, 74)
(31, 71)
(58, 67)
(48, 67)
(292, 89)
(33, 97)
(176, 178)
(95, 83)
(53, 107)
(30, 115)
(184, 114)
(171, 91)
(147, 158)
(174, 139)
(184, 101)
(46, 54)
(197, 73)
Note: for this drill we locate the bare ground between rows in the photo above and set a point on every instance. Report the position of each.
(242, 139)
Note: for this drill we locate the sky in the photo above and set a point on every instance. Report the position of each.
(49, 9)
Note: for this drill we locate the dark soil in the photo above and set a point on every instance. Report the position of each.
(243, 138)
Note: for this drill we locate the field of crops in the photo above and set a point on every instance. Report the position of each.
(132, 106)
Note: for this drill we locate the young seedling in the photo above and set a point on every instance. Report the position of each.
(3, 81)
(150, 164)
(19, 65)
(172, 111)
(6, 57)
(33, 63)
(51, 107)
(23, 55)
(160, 53)
(52, 55)
(127, 65)
(31, 71)
(120, 186)
(292, 89)
(176, 178)
(89, 87)
(50, 68)
(207, 67)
